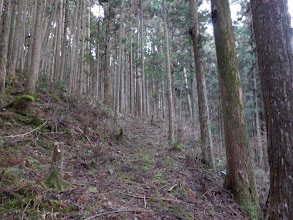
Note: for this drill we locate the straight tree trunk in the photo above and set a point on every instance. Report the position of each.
(30, 33)
(36, 49)
(273, 34)
(207, 147)
(12, 28)
(240, 175)
(59, 28)
(107, 88)
(139, 100)
(96, 75)
(119, 76)
(20, 22)
(143, 89)
(187, 91)
(5, 22)
(131, 77)
(53, 12)
(64, 41)
(74, 48)
(80, 71)
(257, 123)
(169, 82)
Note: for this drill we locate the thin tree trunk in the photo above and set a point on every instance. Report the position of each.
(240, 175)
(107, 88)
(119, 83)
(142, 59)
(273, 34)
(12, 28)
(4, 47)
(131, 77)
(30, 33)
(20, 22)
(74, 48)
(180, 97)
(36, 49)
(187, 91)
(204, 118)
(64, 42)
(88, 51)
(139, 108)
(59, 28)
(169, 82)
(257, 123)
(49, 24)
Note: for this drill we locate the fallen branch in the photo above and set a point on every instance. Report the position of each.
(164, 199)
(24, 134)
(117, 211)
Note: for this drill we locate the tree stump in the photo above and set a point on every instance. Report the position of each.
(54, 178)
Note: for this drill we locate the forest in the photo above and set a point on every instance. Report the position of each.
(146, 109)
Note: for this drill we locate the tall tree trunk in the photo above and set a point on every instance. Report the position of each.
(272, 23)
(240, 175)
(64, 41)
(74, 48)
(30, 33)
(53, 12)
(107, 88)
(20, 22)
(88, 51)
(36, 49)
(131, 77)
(4, 47)
(204, 118)
(169, 81)
(119, 76)
(257, 122)
(96, 75)
(12, 28)
(81, 72)
(143, 90)
(59, 28)
(187, 91)
(139, 100)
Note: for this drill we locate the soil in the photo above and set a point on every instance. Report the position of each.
(111, 170)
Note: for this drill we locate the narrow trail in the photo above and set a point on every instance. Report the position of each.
(110, 175)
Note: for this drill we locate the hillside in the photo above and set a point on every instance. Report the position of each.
(110, 172)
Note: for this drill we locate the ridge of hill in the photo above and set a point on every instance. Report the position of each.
(110, 171)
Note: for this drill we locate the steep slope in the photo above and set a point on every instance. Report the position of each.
(125, 171)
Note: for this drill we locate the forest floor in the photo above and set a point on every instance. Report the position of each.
(110, 171)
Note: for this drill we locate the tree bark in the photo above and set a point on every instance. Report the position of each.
(240, 175)
(36, 49)
(64, 41)
(272, 23)
(20, 22)
(204, 118)
(143, 89)
(169, 80)
(107, 89)
(139, 109)
(4, 47)
(119, 76)
(59, 28)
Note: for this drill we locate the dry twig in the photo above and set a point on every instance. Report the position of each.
(24, 134)
(117, 211)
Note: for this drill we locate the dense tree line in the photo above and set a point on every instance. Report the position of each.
(157, 59)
